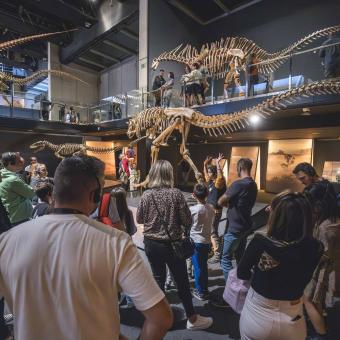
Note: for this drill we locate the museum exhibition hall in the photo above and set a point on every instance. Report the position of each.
(170, 169)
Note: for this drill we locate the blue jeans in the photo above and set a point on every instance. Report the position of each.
(200, 263)
(227, 254)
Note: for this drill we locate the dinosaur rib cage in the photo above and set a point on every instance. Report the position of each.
(231, 122)
(215, 55)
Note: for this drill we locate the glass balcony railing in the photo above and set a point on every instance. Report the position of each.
(257, 79)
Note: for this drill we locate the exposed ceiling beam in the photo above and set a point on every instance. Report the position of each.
(179, 5)
(247, 4)
(88, 61)
(119, 47)
(221, 5)
(104, 55)
(130, 34)
(110, 20)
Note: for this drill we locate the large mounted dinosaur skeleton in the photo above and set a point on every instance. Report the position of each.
(159, 123)
(6, 77)
(216, 56)
(70, 149)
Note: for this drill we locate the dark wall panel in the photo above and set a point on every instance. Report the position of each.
(14, 141)
(167, 29)
(325, 151)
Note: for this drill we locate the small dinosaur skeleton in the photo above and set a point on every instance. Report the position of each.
(70, 149)
(217, 55)
(159, 123)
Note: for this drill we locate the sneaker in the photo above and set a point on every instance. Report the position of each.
(200, 296)
(214, 259)
(202, 322)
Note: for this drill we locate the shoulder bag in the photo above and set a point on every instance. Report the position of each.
(183, 248)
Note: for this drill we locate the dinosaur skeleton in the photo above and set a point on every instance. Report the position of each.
(6, 77)
(9, 44)
(217, 55)
(39, 74)
(70, 149)
(159, 123)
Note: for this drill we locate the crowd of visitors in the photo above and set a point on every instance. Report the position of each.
(68, 258)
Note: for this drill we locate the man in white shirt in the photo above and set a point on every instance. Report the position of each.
(61, 273)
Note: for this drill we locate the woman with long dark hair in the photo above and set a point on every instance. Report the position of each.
(283, 262)
(163, 211)
(125, 214)
(325, 283)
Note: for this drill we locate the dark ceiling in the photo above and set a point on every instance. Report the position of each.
(207, 11)
(26, 17)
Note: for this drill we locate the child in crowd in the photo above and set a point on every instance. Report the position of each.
(44, 194)
(202, 221)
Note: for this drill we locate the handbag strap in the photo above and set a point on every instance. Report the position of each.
(161, 218)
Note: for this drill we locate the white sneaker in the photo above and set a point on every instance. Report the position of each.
(202, 322)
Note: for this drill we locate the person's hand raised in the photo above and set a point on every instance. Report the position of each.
(208, 160)
(219, 158)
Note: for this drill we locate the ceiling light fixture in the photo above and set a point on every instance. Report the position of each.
(306, 111)
(254, 119)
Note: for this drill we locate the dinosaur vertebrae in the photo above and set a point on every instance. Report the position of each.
(21, 81)
(23, 40)
(231, 122)
(36, 75)
(215, 56)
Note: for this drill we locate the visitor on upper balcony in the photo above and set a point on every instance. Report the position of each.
(168, 89)
(157, 84)
(331, 57)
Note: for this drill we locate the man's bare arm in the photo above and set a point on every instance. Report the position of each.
(158, 319)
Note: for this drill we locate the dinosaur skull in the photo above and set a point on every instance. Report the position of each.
(154, 64)
(38, 146)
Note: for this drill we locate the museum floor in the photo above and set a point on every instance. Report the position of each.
(226, 321)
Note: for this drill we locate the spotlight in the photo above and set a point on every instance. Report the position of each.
(254, 119)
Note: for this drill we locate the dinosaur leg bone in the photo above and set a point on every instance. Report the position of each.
(155, 148)
(185, 126)
(161, 139)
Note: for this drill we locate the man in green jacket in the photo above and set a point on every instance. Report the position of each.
(15, 194)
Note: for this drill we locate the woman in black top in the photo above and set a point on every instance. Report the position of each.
(283, 262)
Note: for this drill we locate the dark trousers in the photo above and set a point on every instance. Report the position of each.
(4, 332)
(253, 80)
(160, 254)
(200, 263)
